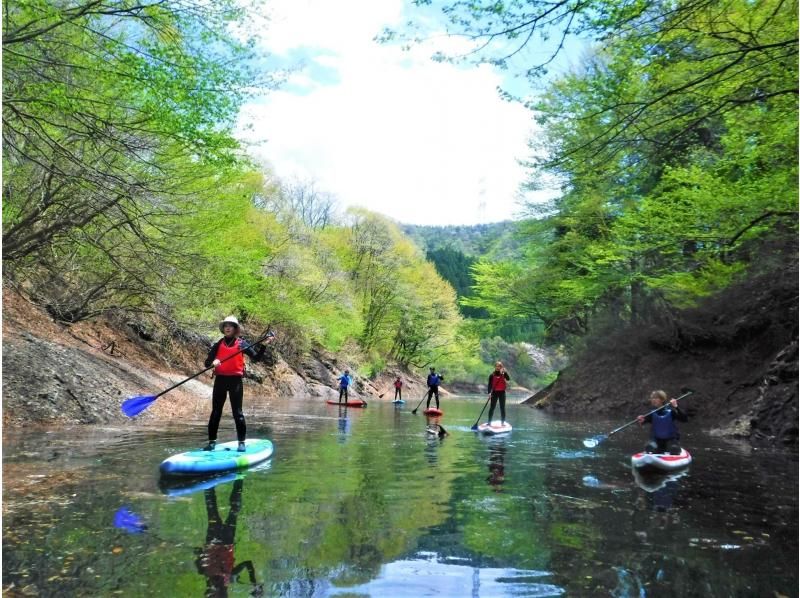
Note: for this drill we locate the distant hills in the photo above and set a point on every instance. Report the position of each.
(476, 241)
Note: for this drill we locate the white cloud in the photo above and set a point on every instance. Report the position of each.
(419, 141)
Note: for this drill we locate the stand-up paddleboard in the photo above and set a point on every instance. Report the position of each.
(495, 427)
(398, 402)
(223, 458)
(348, 403)
(433, 411)
(660, 463)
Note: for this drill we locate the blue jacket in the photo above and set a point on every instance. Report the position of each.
(345, 381)
(434, 379)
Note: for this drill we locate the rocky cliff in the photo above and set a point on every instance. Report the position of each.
(81, 373)
(738, 351)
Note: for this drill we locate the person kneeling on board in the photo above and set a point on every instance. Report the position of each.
(664, 433)
(228, 373)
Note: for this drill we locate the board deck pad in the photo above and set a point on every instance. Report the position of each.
(495, 427)
(655, 462)
(224, 457)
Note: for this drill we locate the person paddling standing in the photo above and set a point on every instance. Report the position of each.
(227, 357)
(433, 387)
(398, 389)
(344, 382)
(664, 433)
(497, 390)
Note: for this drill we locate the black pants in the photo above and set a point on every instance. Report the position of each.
(397, 394)
(433, 391)
(342, 393)
(664, 446)
(224, 386)
(498, 395)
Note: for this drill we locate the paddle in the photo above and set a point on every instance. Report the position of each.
(595, 440)
(135, 405)
(420, 403)
(475, 425)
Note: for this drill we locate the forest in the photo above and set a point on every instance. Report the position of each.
(126, 191)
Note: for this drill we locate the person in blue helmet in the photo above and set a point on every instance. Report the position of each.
(433, 387)
(664, 433)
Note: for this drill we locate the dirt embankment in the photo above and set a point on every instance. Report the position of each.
(738, 352)
(81, 373)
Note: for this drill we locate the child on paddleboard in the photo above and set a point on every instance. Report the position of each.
(497, 390)
(664, 433)
(398, 389)
(227, 357)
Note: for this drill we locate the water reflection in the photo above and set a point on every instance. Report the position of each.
(658, 496)
(352, 518)
(343, 427)
(435, 576)
(497, 459)
(216, 560)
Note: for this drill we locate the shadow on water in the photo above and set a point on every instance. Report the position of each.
(369, 502)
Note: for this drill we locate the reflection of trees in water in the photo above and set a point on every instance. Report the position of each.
(216, 559)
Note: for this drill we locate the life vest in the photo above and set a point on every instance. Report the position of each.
(498, 381)
(218, 560)
(664, 427)
(433, 380)
(344, 381)
(398, 384)
(233, 366)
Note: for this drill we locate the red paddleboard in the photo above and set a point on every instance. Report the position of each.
(433, 411)
(348, 403)
(655, 462)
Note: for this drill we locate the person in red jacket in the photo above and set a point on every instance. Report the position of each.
(398, 389)
(497, 390)
(228, 374)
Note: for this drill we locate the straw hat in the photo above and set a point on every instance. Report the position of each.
(229, 320)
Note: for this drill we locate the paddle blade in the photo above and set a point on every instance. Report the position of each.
(594, 440)
(135, 405)
(127, 520)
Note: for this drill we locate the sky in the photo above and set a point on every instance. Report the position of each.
(422, 142)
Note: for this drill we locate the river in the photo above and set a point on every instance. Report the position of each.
(364, 502)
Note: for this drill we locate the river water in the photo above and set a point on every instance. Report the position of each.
(364, 502)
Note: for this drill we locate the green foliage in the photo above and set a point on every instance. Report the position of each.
(676, 146)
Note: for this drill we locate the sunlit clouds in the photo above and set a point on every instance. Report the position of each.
(420, 141)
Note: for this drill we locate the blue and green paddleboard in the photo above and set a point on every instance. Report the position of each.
(223, 458)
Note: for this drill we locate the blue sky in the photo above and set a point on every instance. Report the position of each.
(420, 141)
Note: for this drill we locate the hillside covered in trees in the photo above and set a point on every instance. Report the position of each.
(126, 196)
(679, 186)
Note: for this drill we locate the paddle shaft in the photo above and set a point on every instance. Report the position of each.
(420, 403)
(630, 423)
(174, 386)
(475, 425)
